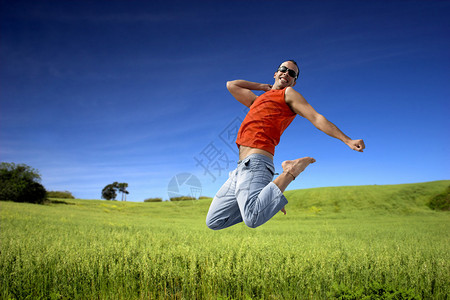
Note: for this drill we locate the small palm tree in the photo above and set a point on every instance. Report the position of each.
(123, 189)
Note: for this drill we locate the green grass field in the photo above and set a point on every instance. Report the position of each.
(379, 242)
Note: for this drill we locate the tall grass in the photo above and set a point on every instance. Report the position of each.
(115, 250)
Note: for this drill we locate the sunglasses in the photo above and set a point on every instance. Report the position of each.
(291, 73)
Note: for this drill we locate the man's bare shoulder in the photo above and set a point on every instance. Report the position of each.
(291, 95)
(291, 90)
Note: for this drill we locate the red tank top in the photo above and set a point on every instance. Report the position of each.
(267, 119)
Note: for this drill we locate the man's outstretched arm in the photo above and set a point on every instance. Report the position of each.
(242, 90)
(301, 107)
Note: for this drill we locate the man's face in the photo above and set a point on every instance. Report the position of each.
(283, 79)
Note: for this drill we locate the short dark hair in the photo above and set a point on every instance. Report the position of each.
(295, 63)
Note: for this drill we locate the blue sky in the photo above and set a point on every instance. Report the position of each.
(93, 92)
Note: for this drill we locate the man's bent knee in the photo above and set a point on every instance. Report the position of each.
(217, 225)
(251, 222)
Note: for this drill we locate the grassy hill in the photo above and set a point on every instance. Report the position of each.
(344, 201)
(334, 243)
(402, 198)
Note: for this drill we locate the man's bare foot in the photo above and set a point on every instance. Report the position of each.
(295, 167)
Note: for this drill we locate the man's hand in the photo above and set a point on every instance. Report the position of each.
(283, 210)
(357, 145)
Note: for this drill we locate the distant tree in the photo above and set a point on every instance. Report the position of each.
(123, 189)
(21, 183)
(109, 192)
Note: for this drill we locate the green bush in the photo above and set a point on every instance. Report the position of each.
(441, 201)
(19, 183)
(182, 198)
(153, 200)
(60, 195)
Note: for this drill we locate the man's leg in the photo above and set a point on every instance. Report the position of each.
(260, 199)
(291, 169)
(224, 210)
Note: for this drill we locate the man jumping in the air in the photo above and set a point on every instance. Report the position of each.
(249, 194)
